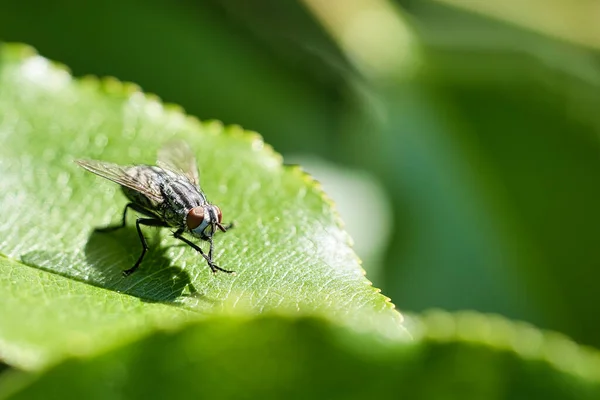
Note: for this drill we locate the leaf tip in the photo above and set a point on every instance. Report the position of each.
(313, 183)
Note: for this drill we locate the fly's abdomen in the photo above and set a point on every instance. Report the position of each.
(140, 200)
(150, 197)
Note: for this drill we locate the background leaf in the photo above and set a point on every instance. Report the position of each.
(463, 356)
(287, 248)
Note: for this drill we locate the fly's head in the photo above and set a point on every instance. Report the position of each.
(203, 221)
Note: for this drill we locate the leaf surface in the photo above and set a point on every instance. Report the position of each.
(287, 247)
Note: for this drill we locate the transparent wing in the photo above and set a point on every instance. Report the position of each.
(178, 157)
(119, 174)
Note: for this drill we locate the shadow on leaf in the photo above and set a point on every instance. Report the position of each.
(155, 280)
(107, 255)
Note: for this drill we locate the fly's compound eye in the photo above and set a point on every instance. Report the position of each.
(219, 214)
(195, 218)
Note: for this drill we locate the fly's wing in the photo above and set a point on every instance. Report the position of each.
(177, 156)
(118, 174)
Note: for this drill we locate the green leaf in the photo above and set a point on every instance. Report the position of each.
(287, 247)
(463, 356)
(46, 316)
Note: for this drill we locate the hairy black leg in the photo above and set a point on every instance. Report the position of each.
(210, 249)
(111, 228)
(146, 222)
(214, 267)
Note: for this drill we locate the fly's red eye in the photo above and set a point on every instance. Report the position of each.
(219, 214)
(195, 217)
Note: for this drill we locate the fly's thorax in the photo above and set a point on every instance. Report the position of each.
(202, 220)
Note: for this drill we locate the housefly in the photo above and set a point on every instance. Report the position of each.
(168, 195)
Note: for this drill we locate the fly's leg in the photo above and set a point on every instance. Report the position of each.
(210, 249)
(211, 264)
(146, 222)
(226, 227)
(111, 228)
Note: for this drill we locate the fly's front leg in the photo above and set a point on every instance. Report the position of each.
(210, 249)
(214, 267)
(226, 227)
(146, 222)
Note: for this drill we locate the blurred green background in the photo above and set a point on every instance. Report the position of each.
(458, 138)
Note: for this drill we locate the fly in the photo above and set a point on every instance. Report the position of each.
(168, 195)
